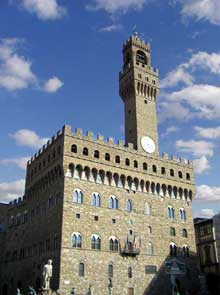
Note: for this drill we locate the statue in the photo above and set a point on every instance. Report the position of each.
(47, 275)
(73, 291)
(90, 292)
(18, 292)
(31, 291)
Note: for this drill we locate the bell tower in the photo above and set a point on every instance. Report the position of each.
(139, 88)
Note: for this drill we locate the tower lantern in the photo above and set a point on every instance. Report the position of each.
(139, 88)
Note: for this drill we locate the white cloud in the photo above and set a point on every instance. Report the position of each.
(19, 162)
(44, 9)
(196, 148)
(175, 77)
(113, 6)
(15, 70)
(29, 138)
(202, 10)
(205, 213)
(11, 190)
(201, 165)
(209, 133)
(111, 28)
(172, 129)
(207, 193)
(173, 110)
(53, 85)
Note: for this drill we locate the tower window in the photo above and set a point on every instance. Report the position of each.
(141, 57)
(129, 272)
(135, 164)
(184, 233)
(163, 170)
(110, 271)
(144, 166)
(172, 231)
(85, 151)
(187, 176)
(127, 162)
(154, 168)
(117, 159)
(180, 174)
(81, 269)
(96, 154)
(107, 157)
(171, 172)
(74, 148)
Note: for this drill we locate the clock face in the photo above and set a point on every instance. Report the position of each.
(148, 144)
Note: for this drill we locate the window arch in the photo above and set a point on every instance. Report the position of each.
(113, 202)
(172, 232)
(95, 242)
(107, 157)
(148, 209)
(184, 233)
(110, 270)
(76, 240)
(149, 230)
(182, 214)
(187, 176)
(149, 248)
(170, 212)
(127, 162)
(81, 269)
(128, 205)
(78, 196)
(173, 249)
(96, 200)
(135, 164)
(185, 250)
(141, 57)
(74, 148)
(163, 170)
(113, 244)
(171, 172)
(85, 151)
(96, 154)
(70, 170)
(117, 159)
(180, 174)
(154, 168)
(144, 166)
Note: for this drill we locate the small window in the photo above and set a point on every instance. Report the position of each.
(180, 174)
(96, 154)
(154, 168)
(144, 166)
(149, 230)
(135, 164)
(95, 242)
(127, 162)
(163, 170)
(96, 218)
(76, 240)
(77, 215)
(107, 157)
(81, 269)
(110, 271)
(172, 232)
(171, 172)
(117, 159)
(128, 206)
(74, 148)
(187, 176)
(129, 272)
(184, 233)
(113, 220)
(85, 151)
(149, 249)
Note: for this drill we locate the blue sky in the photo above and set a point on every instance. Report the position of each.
(59, 63)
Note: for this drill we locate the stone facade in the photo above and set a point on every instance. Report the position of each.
(109, 215)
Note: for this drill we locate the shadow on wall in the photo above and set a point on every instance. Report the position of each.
(179, 274)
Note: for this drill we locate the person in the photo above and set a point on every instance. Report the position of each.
(47, 274)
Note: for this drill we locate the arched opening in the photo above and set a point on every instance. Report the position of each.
(141, 57)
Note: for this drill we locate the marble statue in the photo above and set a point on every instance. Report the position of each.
(18, 292)
(31, 291)
(47, 274)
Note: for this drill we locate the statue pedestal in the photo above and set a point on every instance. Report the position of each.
(46, 292)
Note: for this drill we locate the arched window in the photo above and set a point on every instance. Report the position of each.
(148, 210)
(81, 269)
(128, 206)
(149, 249)
(149, 230)
(173, 249)
(170, 212)
(107, 157)
(96, 154)
(74, 148)
(171, 172)
(180, 174)
(163, 170)
(117, 159)
(129, 272)
(187, 176)
(77, 196)
(127, 162)
(182, 214)
(110, 270)
(135, 164)
(113, 244)
(113, 202)
(184, 233)
(172, 231)
(70, 170)
(154, 168)
(186, 250)
(76, 240)
(141, 57)
(95, 242)
(85, 151)
(96, 200)
(144, 166)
